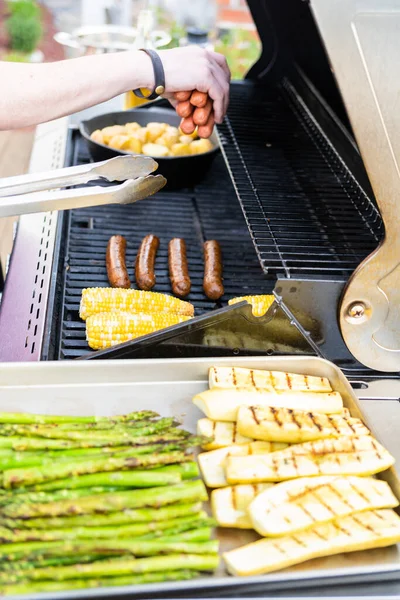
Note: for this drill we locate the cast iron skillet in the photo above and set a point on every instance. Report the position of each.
(180, 171)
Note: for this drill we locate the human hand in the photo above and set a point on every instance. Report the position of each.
(194, 68)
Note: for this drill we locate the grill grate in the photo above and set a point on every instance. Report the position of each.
(306, 214)
(211, 211)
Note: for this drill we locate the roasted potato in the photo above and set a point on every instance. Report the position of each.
(200, 146)
(180, 149)
(155, 130)
(155, 150)
(97, 136)
(135, 145)
(132, 127)
(120, 142)
(109, 132)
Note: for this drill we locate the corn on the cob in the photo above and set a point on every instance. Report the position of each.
(342, 456)
(278, 381)
(212, 464)
(302, 503)
(102, 300)
(260, 303)
(222, 405)
(108, 329)
(222, 433)
(229, 504)
(294, 426)
(370, 529)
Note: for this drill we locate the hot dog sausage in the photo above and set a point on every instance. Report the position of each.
(201, 115)
(212, 283)
(145, 261)
(187, 125)
(178, 267)
(182, 96)
(204, 131)
(184, 109)
(198, 98)
(115, 262)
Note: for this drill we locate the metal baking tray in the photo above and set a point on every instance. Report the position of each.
(167, 386)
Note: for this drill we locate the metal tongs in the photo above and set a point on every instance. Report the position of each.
(24, 194)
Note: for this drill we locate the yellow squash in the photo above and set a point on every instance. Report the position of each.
(279, 381)
(302, 503)
(223, 404)
(222, 433)
(229, 504)
(212, 464)
(362, 531)
(341, 456)
(294, 426)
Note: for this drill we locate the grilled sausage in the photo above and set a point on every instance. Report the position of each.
(182, 96)
(212, 283)
(204, 131)
(178, 267)
(145, 261)
(201, 115)
(184, 109)
(187, 125)
(198, 98)
(115, 262)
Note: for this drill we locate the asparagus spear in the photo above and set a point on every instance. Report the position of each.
(169, 562)
(39, 419)
(59, 586)
(140, 515)
(43, 497)
(33, 475)
(188, 470)
(119, 433)
(99, 533)
(189, 491)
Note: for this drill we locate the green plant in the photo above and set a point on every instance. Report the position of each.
(15, 57)
(24, 8)
(241, 49)
(24, 30)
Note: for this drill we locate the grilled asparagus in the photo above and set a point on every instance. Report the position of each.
(212, 464)
(278, 381)
(370, 529)
(341, 456)
(229, 504)
(302, 503)
(294, 426)
(223, 404)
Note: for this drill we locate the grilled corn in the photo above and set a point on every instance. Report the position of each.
(108, 329)
(260, 303)
(102, 300)
(229, 504)
(294, 426)
(222, 405)
(212, 464)
(278, 381)
(222, 433)
(342, 456)
(370, 529)
(301, 503)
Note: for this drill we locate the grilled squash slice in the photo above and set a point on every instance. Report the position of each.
(229, 504)
(301, 503)
(222, 405)
(222, 434)
(342, 456)
(363, 531)
(294, 426)
(278, 381)
(212, 464)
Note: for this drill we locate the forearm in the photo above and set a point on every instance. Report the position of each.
(36, 93)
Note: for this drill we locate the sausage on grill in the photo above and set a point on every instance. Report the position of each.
(145, 261)
(201, 115)
(182, 96)
(184, 109)
(199, 99)
(115, 262)
(187, 125)
(178, 267)
(212, 283)
(204, 131)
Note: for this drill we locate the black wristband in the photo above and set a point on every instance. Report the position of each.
(159, 76)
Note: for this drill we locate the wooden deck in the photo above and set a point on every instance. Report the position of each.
(15, 152)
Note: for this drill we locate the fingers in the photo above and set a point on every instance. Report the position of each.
(221, 61)
(204, 131)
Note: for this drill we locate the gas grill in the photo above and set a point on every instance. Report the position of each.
(288, 199)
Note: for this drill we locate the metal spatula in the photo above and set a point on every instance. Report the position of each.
(29, 193)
